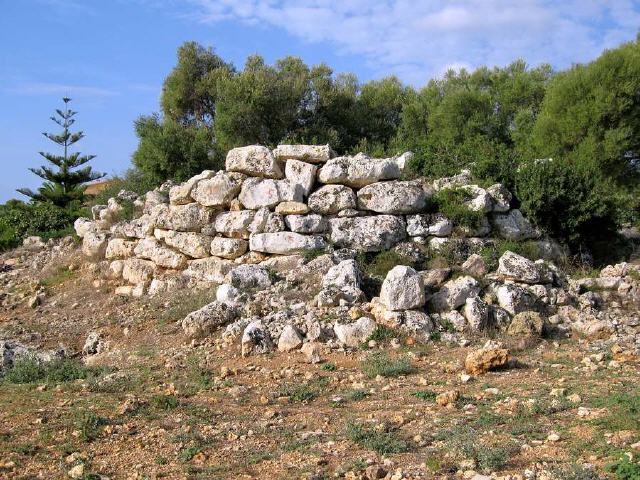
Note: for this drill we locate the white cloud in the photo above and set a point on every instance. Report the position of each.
(418, 39)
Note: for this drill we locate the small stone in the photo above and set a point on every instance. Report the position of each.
(447, 398)
(77, 471)
(553, 437)
(311, 351)
(485, 359)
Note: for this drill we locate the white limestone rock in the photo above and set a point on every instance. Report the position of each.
(206, 320)
(255, 161)
(228, 247)
(83, 225)
(292, 208)
(358, 171)
(331, 199)
(302, 174)
(235, 224)
(249, 276)
(513, 226)
(306, 153)
(434, 224)
(476, 311)
(346, 273)
(284, 243)
(354, 334)
(140, 227)
(396, 197)
(219, 190)
(195, 245)
(256, 339)
(454, 294)
(368, 234)
(152, 249)
(459, 180)
(312, 223)
(290, 339)
(211, 269)
(480, 200)
(501, 197)
(94, 245)
(136, 270)
(515, 299)
(183, 218)
(402, 289)
(512, 266)
(227, 294)
(119, 248)
(181, 194)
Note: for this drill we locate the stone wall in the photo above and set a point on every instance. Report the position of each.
(287, 201)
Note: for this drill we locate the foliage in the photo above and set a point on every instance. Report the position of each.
(428, 395)
(625, 469)
(31, 370)
(492, 252)
(64, 185)
(385, 366)
(304, 392)
(133, 180)
(89, 425)
(382, 442)
(452, 204)
(378, 264)
(19, 220)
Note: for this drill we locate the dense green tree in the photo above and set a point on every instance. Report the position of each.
(170, 150)
(64, 184)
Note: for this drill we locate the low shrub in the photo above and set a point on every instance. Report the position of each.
(385, 366)
(451, 203)
(382, 442)
(30, 370)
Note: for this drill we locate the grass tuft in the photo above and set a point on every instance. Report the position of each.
(385, 366)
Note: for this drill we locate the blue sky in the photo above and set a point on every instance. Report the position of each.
(111, 56)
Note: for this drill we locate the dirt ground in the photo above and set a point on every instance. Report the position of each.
(153, 405)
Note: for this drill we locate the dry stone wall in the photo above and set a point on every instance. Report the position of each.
(287, 201)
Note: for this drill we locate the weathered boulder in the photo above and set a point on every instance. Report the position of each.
(513, 226)
(181, 194)
(207, 319)
(354, 334)
(140, 227)
(487, 358)
(228, 247)
(358, 171)
(512, 266)
(154, 198)
(195, 245)
(476, 311)
(255, 161)
(515, 299)
(402, 289)
(312, 351)
(284, 243)
(479, 198)
(501, 197)
(369, 234)
(236, 224)
(528, 324)
(292, 208)
(346, 273)
(184, 218)
(83, 225)
(136, 270)
(459, 180)
(396, 197)
(290, 339)
(219, 190)
(312, 223)
(152, 249)
(211, 269)
(256, 339)
(306, 153)
(302, 174)
(454, 294)
(228, 294)
(474, 266)
(331, 199)
(249, 276)
(265, 192)
(119, 248)
(340, 296)
(425, 225)
(94, 245)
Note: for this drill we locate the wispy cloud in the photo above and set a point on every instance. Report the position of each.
(419, 39)
(43, 88)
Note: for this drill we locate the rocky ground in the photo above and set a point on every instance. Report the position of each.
(124, 387)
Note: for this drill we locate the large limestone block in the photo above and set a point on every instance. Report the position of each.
(219, 190)
(331, 199)
(196, 245)
(235, 224)
(136, 270)
(120, 248)
(513, 226)
(228, 247)
(290, 339)
(367, 234)
(255, 161)
(306, 153)
(515, 299)
(152, 249)
(426, 225)
(211, 269)
(155, 197)
(181, 194)
(476, 311)
(392, 197)
(94, 245)
(83, 225)
(312, 223)
(344, 274)
(292, 208)
(284, 243)
(302, 174)
(358, 171)
(249, 276)
(257, 193)
(206, 320)
(140, 227)
(501, 197)
(184, 218)
(512, 266)
(256, 339)
(402, 289)
(454, 294)
(354, 334)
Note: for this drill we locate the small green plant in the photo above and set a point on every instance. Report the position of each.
(186, 454)
(574, 472)
(381, 364)
(60, 276)
(383, 334)
(451, 203)
(355, 395)
(427, 395)
(382, 442)
(625, 469)
(378, 264)
(492, 459)
(26, 449)
(164, 402)
(312, 254)
(304, 392)
(89, 424)
(30, 370)
(329, 367)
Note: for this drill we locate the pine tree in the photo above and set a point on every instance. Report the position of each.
(65, 184)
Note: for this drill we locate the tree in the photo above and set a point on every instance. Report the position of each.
(63, 185)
